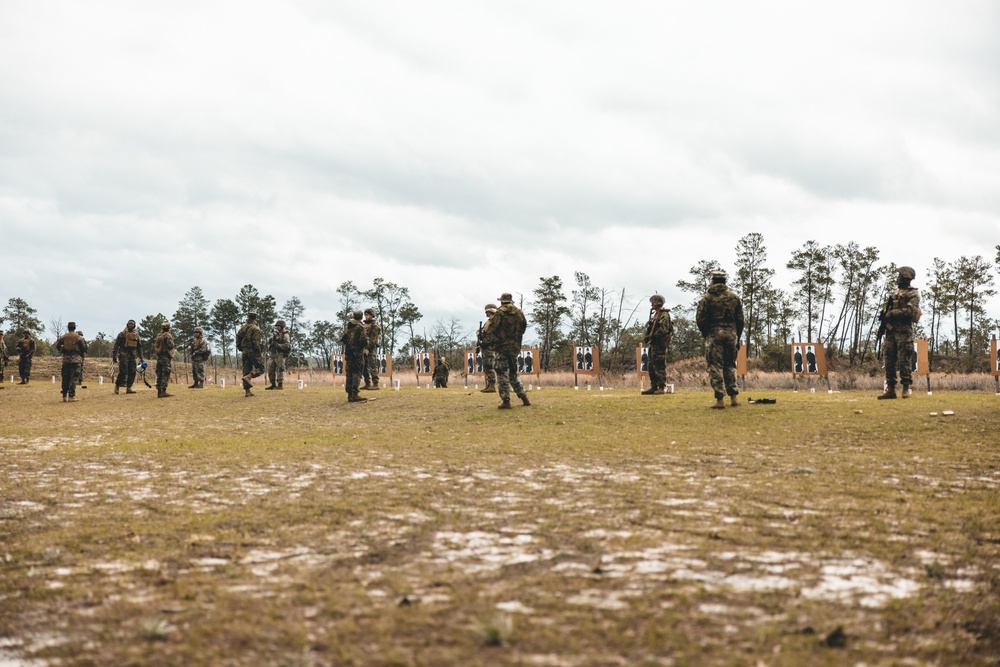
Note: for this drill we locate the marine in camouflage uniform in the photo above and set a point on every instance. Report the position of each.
(355, 347)
(720, 320)
(659, 331)
(163, 345)
(83, 362)
(504, 337)
(26, 350)
(489, 354)
(200, 353)
(373, 332)
(72, 346)
(279, 346)
(249, 340)
(902, 310)
(3, 360)
(440, 375)
(127, 353)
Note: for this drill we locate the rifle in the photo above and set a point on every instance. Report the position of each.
(882, 326)
(479, 338)
(649, 327)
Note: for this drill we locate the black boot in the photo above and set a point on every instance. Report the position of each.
(889, 393)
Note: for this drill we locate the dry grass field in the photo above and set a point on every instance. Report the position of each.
(428, 528)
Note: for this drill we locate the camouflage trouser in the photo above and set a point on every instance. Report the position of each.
(657, 366)
(490, 367)
(370, 369)
(164, 364)
(276, 369)
(126, 369)
(24, 367)
(69, 374)
(898, 350)
(506, 369)
(720, 352)
(354, 367)
(197, 371)
(253, 366)
(441, 381)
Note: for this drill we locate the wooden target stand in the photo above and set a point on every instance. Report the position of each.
(586, 361)
(921, 363)
(642, 370)
(741, 367)
(423, 366)
(338, 366)
(528, 363)
(808, 362)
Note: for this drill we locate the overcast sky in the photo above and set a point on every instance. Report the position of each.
(463, 149)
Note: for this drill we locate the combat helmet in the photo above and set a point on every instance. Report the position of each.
(657, 300)
(907, 273)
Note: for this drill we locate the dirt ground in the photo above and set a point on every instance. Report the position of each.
(428, 528)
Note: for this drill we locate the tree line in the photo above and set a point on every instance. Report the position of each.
(834, 298)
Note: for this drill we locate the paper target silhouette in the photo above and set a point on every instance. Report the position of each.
(808, 359)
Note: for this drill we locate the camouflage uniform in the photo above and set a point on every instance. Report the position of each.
(3, 361)
(127, 352)
(26, 350)
(279, 346)
(355, 342)
(489, 354)
(901, 311)
(504, 337)
(720, 320)
(164, 348)
(72, 346)
(249, 340)
(440, 375)
(200, 353)
(659, 331)
(370, 371)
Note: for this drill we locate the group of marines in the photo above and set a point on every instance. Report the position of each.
(719, 318)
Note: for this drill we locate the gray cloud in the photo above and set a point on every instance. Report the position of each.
(464, 149)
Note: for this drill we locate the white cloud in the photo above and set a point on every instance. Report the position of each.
(464, 149)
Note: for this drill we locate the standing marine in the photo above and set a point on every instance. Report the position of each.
(127, 353)
(200, 353)
(3, 360)
(355, 348)
(659, 331)
(504, 337)
(489, 354)
(720, 321)
(902, 311)
(72, 346)
(279, 346)
(440, 375)
(249, 340)
(26, 350)
(373, 333)
(163, 345)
